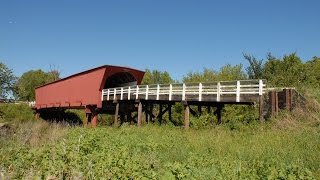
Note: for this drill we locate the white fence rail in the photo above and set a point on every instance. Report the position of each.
(183, 92)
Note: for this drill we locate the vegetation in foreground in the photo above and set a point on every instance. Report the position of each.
(284, 148)
(287, 148)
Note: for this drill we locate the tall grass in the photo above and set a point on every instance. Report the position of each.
(287, 147)
(51, 150)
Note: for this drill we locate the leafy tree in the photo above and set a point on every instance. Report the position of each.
(288, 71)
(313, 72)
(7, 80)
(255, 68)
(156, 77)
(25, 87)
(208, 75)
(226, 73)
(229, 73)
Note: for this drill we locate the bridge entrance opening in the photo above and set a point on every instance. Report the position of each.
(120, 80)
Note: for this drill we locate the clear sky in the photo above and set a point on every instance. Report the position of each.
(173, 35)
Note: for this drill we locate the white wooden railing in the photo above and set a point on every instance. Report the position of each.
(185, 90)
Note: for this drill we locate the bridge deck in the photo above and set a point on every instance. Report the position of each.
(244, 91)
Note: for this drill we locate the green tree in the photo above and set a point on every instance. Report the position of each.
(156, 77)
(229, 73)
(226, 73)
(25, 86)
(255, 68)
(7, 80)
(313, 72)
(208, 75)
(288, 71)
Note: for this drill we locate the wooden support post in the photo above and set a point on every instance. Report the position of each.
(94, 119)
(261, 108)
(139, 114)
(151, 112)
(288, 99)
(146, 107)
(186, 116)
(194, 113)
(88, 115)
(170, 112)
(122, 118)
(160, 113)
(199, 109)
(116, 114)
(276, 103)
(273, 103)
(219, 113)
(129, 116)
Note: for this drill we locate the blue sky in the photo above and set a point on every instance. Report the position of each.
(178, 36)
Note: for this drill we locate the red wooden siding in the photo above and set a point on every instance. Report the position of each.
(80, 89)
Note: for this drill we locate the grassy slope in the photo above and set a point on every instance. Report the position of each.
(52, 150)
(286, 148)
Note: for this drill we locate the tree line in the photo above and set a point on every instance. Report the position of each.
(287, 71)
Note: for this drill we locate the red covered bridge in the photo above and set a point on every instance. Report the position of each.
(83, 90)
(117, 90)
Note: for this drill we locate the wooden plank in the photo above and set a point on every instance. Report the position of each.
(238, 92)
(183, 92)
(137, 92)
(147, 92)
(170, 92)
(218, 91)
(158, 91)
(200, 92)
(129, 92)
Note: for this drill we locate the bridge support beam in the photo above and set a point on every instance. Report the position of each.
(160, 114)
(94, 119)
(288, 98)
(170, 112)
(261, 118)
(218, 112)
(92, 115)
(273, 103)
(116, 115)
(200, 109)
(139, 114)
(186, 116)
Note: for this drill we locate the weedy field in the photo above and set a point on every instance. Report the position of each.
(285, 148)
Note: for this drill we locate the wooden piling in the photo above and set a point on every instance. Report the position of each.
(186, 116)
(288, 99)
(273, 103)
(160, 113)
(209, 109)
(261, 108)
(219, 113)
(94, 119)
(199, 109)
(116, 115)
(139, 114)
(170, 112)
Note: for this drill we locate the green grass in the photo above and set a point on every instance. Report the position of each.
(285, 148)
(261, 152)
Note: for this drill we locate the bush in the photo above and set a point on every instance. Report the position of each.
(16, 112)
